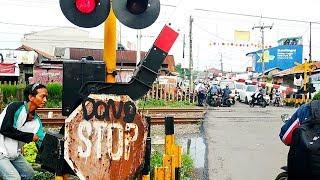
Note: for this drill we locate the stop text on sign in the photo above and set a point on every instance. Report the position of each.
(111, 127)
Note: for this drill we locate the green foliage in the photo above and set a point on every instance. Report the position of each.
(187, 166)
(182, 71)
(54, 91)
(316, 96)
(43, 175)
(153, 103)
(30, 152)
(10, 92)
(156, 161)
(54, 95)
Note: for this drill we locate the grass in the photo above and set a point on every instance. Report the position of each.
(152, 103)
(187, 167)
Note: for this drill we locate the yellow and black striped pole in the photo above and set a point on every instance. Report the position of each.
(172, 157)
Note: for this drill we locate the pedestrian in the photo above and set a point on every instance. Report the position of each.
(21, 124)
(201, 91)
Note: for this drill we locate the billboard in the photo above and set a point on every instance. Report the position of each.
(17, 56)
(9, 69)
(282, 57)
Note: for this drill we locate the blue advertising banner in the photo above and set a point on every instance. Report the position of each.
(282, 57)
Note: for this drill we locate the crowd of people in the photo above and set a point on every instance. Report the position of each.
(204, 89)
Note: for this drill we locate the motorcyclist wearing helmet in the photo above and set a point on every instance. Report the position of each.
(225, 94)
(258, 94)
(215, 90)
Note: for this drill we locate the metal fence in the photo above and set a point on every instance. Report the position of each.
(171, 93)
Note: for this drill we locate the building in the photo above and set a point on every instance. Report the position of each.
(17, 64)
(50, 70)
(54, 46)
(289, 76)
(284, 56)
(48, 41)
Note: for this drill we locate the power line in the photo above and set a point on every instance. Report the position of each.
(205, 30)
(33, 25)
(256, 16)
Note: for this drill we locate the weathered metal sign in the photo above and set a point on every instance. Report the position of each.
(105, 138)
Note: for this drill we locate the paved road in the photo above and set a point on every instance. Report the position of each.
(243, 142)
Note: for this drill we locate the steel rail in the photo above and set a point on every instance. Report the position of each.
(154, 120)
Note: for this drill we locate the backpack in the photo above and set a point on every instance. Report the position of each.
(304, 152)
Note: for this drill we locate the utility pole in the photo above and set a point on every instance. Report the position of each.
(310, 44)
(183, 48)
(221, 64)
(262, 43)
(310, 73)
(190, 57)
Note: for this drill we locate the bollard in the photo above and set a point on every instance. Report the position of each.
(172, 157)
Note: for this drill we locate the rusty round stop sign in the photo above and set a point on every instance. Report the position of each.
(105, 138)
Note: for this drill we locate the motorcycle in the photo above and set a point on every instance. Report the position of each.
(214, 100)
(277, 100)
(228, 101)
(233, 98)
(258, 101)
(284, 174)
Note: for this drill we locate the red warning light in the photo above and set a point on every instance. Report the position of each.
(86, 6)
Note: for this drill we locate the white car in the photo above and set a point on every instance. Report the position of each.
(239, 88)
(248, 91)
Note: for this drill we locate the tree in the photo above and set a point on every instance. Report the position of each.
(182, 71)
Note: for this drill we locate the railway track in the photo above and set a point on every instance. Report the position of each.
(53, 117)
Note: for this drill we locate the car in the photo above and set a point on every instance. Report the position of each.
(239, 88)
(248, 91)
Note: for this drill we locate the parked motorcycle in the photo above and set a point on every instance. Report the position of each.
(258, 101)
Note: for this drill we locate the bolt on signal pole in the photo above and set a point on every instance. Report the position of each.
(262, 44)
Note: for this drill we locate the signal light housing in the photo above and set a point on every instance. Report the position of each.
(86, 13)
(136, 14)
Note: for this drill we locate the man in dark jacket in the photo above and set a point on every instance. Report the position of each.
(225, 94)
(300, 166)
(19, 123)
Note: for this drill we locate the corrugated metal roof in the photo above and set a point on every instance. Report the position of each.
(27, 48)
(290, 71)
(126, 56)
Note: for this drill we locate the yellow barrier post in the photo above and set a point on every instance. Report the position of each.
(172, 156)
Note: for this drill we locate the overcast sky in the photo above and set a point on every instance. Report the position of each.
(24, 16)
